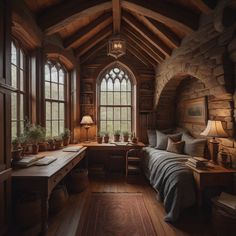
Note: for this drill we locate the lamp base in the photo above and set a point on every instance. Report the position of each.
(213, 147)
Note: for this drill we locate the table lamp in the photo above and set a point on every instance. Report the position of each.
(214, 129)
(86, 121)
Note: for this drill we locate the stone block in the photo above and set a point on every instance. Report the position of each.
(219, 105)
(221, 79)
(218, 70)
(226, 142)
(220, 112)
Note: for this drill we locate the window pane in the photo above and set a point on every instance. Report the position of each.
(124, 126)
(54, 91)
(103, 98)
(123, 85)
(123, 98)
(117, 98)
(54, 74)
(109, 85)
(21, 80)
(62, 111)
(61, 92)
(55, 128)
(21, 127)
(116, 125)
(47, 90)
(117, 113)
(48, 111)
(21, 60)
(48, 128)
(13, 76)
(116, 70)
(13, 54)
(47, 73)
(55, 111)
(13, 129)
(129, 113)
(61, 77)
(124, 113)
(103, 85)
(61, 126)
(103, 126)
(128, 98)
(13, 106)
(109, 113)
(110, 126)
(128, 85)
(109, 98)
(117, 85)
(129, 126)
(21, 107)
(103, 114)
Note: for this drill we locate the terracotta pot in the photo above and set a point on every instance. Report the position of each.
(116, 138)
(66, 141)
(35, 148)
(106, 139)
(16, 154)
(135, 140)
(126, 138)
(51, 146)
(43, 146)
(58, 144)
(99, 139)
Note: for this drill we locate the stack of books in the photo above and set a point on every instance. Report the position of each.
(197, 162)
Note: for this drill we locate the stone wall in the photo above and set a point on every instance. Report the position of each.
(204, 65)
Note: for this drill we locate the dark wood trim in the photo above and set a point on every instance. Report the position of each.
(116, 10)
(100, 23)
(202, 6)
(52, 20)
(4, 175)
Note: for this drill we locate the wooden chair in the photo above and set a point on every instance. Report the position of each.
(133, 162)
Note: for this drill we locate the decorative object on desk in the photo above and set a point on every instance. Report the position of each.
(66, 137)
(16, 149)
(99, 137)
(58, 142)
(197, 162)
(106, 137)
(117, 136)
(86, 122)
(116, 46)
(125, 136)
(72, 149)
(225, 158)
(27, 161)
(134, 138)
(51, 143)
(214, 129)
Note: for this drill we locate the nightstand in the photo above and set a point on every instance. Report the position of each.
(212, 175)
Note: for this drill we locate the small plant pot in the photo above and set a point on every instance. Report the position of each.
(35, 148)
(126, 138)
(106, 139)
(134, 140)
(43, 146)
(58, 144)
(16, 154)
(99, 139)
(116, 138)
(66, 141)
(51, 146)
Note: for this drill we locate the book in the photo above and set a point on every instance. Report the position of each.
(227, 200)
(200, 159)
(28, 160)
(72, 149)
(196, 165)
(45, 161)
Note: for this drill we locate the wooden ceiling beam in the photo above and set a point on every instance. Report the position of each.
(202, 6)
(55, 18)
(93, 41)
(141, 46)
(116, 10)
(144, 41)
(88, 30)
(164, 12)
(160, 29)
(93, 51)
(150, 36)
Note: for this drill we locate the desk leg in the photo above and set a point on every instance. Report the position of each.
(44, 213)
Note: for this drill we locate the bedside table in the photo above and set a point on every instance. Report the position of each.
(213, 175)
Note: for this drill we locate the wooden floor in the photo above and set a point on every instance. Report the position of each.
(66, 222)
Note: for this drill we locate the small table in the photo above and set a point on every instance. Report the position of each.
(43, 179)
(213, 175)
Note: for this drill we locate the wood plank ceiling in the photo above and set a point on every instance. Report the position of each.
(152, 28)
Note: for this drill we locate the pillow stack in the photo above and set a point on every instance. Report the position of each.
(181, 143)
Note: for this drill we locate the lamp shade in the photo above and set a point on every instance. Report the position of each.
(86, 120)
(214, 129)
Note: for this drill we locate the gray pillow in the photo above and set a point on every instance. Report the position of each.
(194, 147)
(162, 139)
(175, 147)
(152, 137)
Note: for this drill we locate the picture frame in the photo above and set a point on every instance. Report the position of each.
(195, 111)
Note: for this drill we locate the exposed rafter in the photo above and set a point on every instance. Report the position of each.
(202, 6)
(89, 30)
(116, 10)
(106, 32)
(52, 20)
(150, 36)
(165, 12)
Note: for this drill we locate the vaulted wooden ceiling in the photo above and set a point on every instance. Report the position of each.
(152, 28)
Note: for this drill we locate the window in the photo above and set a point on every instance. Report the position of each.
(55, 94)
(18, 83)
(115, 98)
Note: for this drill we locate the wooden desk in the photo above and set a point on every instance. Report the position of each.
(214, 175)
(42, 179)
(101, 155)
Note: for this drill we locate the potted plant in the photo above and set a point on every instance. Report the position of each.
(126, 136)
(99, 137)
(117, 136)
(106, 137)
(66, 137)
(58, 141)
(43, 142)
(134, 138)
(16, 149)
(34, 134)
(51, 143)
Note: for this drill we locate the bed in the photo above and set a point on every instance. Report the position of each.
(171, 178)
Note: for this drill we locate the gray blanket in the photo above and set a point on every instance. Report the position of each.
(172, 179)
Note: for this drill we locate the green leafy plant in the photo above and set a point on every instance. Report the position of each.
(66, 134)
(126, 133)
(34, 133)
(117, 132)
(106, 134)
(16, 143)
(58, 138)
(101, 134)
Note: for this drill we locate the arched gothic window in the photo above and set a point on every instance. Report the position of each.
(55, 98)
(116, 100)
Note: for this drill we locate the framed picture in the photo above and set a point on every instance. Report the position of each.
(195, 111)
